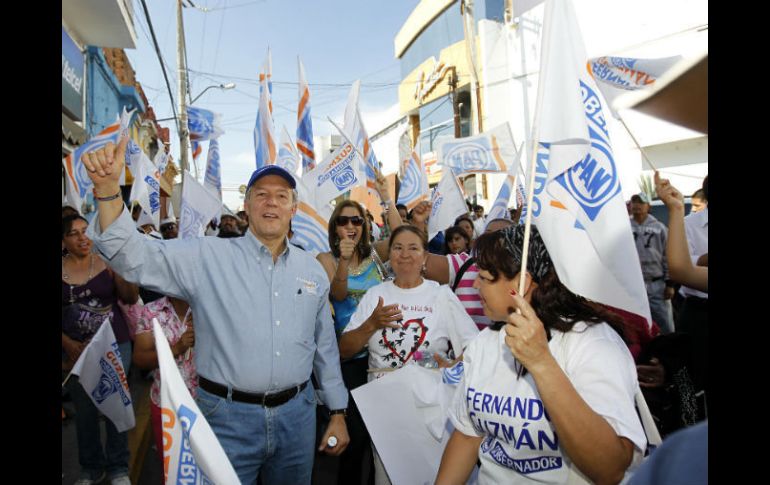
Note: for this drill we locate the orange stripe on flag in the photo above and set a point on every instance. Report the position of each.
(303, 103)
(306, 151)
(304, 207)
(558, 205)
(496, 154)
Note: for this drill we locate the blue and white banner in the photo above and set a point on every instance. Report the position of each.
(104, 379)
(191, 451)
(489, 152)
(264, 131)
(304, 123)
(336, 174)
(146, 187)
(213, 178)
(203, 124)
(414, 186)
(499, 209)
(75, 170)
(288, 156)
(617, 75)
(199, 206)
(353, 129)
(578, 205)
(161, 159)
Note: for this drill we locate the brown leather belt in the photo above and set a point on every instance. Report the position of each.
(267, 400)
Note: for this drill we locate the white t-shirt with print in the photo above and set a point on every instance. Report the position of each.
(520, 443)
(432, 318)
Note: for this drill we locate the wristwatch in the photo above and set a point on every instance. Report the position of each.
(343, 412)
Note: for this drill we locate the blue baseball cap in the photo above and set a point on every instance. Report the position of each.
(271, 170)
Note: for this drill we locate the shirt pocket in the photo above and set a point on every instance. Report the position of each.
(303, 316)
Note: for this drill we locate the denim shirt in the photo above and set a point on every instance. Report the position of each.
(260, 326)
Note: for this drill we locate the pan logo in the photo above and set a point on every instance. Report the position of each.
(344, 178)
(593, 181)
(469, 156)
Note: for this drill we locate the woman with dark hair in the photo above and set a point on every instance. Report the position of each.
(550, 398)
(399, 321)
(354, 265)
(90, 292)
(456, 241)
(466, 224)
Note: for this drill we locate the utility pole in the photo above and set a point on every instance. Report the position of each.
(469, 31)
(184, 134)
(455, 104)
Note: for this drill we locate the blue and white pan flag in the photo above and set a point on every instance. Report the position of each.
(77, 175)
(490, 152)
(191, 451)
(304, 123)
(264, 131)
(617, 75)
(203, 124)
(414, 185)
(288, 156)
(146, 187)
(199, 206)
(353, 128)
(578, 205)
(103, 378)
(447, 204)
(337, 174)
(213, 178)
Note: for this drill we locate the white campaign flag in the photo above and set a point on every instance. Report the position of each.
(491, 151)
(617, 75)
(338, 173)
(578, 205)
(104, 379)
(414, 183)
(146, 187)
(448, 203)
(199, 206)
(288, 155)
(191, 451)
(310, 223)
(499, 209)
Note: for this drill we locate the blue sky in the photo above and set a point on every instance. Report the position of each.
(338, 41)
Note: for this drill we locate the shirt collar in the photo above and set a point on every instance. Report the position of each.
(261, 249)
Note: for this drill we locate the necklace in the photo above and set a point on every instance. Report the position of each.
(66, 276)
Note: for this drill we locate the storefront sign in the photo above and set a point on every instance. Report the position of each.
(71, 77)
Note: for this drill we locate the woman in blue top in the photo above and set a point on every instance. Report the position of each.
(354, 265)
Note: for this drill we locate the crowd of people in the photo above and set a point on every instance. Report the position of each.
(267, 337)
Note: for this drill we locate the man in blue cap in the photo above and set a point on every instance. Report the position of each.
(262, 322)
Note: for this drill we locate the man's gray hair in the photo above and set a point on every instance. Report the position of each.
(294, 195)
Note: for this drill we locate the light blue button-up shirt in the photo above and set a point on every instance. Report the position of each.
(260, 326)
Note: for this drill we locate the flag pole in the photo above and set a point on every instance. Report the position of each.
(644, 155)
(66, 379)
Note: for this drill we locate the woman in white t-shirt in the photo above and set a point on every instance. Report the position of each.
(403, 319)
(550, 398)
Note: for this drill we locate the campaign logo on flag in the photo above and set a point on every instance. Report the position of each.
(288, 157)
(146, 187)
(74, 168)
(353, 130)
(491, 151)
(203, 124)
(103, 378)
(304, 123)
(310, 228)
(577, 204)
(499, 209)
(414, 185)
(335, 175)
(161, 159)
(191, 451)
(617, 75)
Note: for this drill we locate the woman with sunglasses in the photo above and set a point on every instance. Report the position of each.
(354, 265)
(547, 394)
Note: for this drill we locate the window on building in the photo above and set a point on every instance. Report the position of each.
(445, 30)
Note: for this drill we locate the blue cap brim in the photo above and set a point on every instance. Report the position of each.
(272, 170)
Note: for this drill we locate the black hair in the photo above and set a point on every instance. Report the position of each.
(449, 235)
(408, 228)
(66, 223)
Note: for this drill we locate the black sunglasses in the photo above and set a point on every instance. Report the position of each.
(343, 220)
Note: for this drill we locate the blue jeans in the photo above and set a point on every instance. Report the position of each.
(659, 305)
(92, 458)
(279, 442)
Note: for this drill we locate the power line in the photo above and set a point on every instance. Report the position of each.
(160, 59)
